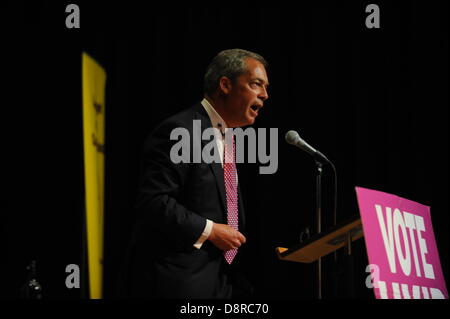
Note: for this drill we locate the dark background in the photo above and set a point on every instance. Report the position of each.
(375, 101)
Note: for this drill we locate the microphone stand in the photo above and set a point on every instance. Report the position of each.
(319, 223)
(293, 138)
(319, 169)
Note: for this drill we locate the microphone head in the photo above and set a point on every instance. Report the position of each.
(292, 137)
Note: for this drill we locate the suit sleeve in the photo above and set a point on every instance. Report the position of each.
(161, 192)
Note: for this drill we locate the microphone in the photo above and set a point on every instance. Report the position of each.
(293, 138)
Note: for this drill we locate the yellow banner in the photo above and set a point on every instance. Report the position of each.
(94, 81)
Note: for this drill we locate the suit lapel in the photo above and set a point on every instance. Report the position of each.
(218, 174)
(215, 167)
(241, 208)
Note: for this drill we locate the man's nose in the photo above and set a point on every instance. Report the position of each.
(263, 95)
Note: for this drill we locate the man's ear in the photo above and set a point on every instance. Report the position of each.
(225, 85)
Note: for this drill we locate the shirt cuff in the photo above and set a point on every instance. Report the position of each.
(205, 234)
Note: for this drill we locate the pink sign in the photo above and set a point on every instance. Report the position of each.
(401, 247)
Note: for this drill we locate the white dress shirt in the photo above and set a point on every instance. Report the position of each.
(219, 123)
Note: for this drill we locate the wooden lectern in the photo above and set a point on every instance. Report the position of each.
(322, 244)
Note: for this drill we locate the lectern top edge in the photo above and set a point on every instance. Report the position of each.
(357, 230)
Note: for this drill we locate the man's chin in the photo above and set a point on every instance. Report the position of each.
(250, 121)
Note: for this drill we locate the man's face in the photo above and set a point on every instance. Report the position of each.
(246, 96)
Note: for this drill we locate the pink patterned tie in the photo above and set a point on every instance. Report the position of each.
(229, 170)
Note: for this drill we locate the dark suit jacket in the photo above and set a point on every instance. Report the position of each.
(174, 201)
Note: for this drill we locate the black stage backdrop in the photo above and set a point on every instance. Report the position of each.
(375, 101)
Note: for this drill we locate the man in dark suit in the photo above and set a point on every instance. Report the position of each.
(189, 232)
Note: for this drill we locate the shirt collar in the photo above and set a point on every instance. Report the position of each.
(215, 118)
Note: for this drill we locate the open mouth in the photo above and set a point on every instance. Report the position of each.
(255, 107)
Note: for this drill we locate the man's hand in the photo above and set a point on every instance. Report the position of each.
(226, 237)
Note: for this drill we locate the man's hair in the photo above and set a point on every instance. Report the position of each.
(230, 63)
